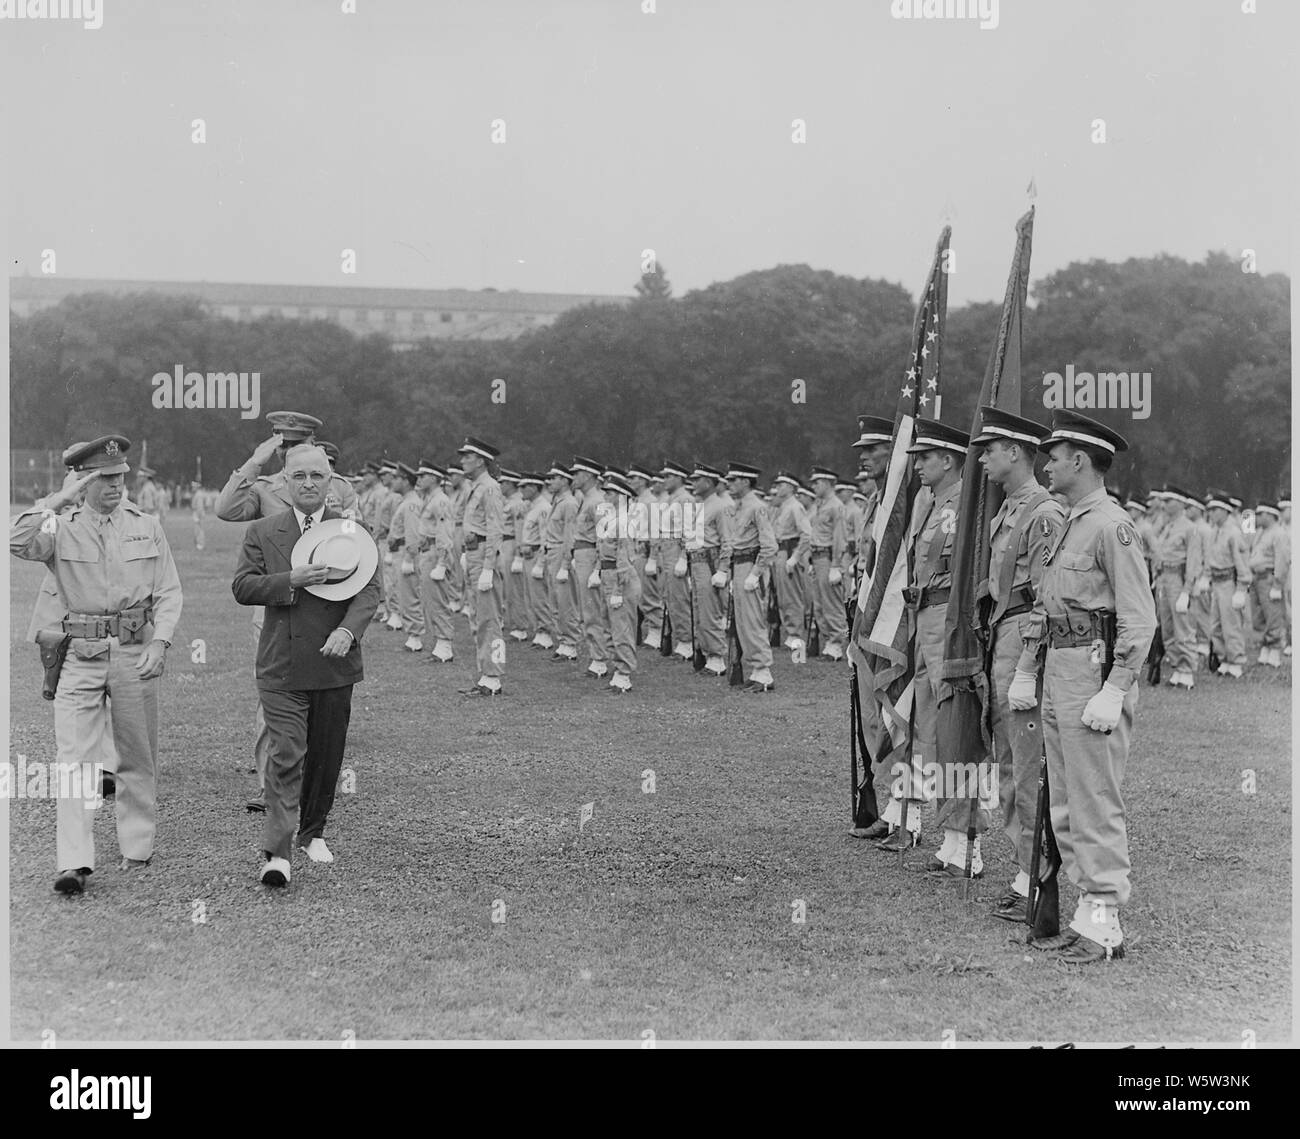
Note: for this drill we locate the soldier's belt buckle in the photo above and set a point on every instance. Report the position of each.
(912, 595)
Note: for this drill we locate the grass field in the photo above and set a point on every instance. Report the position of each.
(671, 912)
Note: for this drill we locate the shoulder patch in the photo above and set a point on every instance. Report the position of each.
(1124, 532)
(1045, 524)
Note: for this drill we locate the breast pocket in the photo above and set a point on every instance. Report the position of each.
(1074, 581)
(140, 558)
(79, 549)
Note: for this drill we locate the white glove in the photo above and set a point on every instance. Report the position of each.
(834, 576)
(1275, 594)
(408, 567)
(517, 566)
(438, 573)
(1103, 710)
(719, 580)
(680, 568)
(1239, 599)
(616, 601)
(1023, 693)
(464, 562)
(561, 574)
(751, 583)
(1200, 586)
(593, 582)
(651, 567)
(1183, 603)
(789, 567)
(539, 570)
(388, 558)
(485, 581)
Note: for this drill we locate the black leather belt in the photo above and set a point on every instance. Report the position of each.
(395, 544)
(583, 544)
(821, 551)
(1223, 575)
(924, 597)
(748, 554)
(609, 563)
(789, 545)
(706, 555)
(1171, 567)
(125, 625)
(1071, 632)
(1020, 601)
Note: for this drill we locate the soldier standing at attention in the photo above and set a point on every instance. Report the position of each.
(434, 557)
(829, 557)
(1225, 561)
(792, 534)
(752, 553)
(1024, 528)
(643, 517)
(540, 615)
(1200, 608)
(677, 511)
(484, 527)
(708, 553)
(249, 495)
(120, 600)
(1100, 621)
(1270, 568)
(1175, 566)
(586, 572)
(403, 537)
(619, 583)
(513, 506)
(148, 494)
(458, 493)
(557, 549)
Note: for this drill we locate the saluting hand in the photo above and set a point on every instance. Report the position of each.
(267, 448)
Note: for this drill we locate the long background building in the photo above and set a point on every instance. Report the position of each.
(403, 315)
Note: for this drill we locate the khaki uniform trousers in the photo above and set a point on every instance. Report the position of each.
(82, 722)
(1227, 633)
(485, 619)
(710, 614)
(1017, 744)
(541, 611)
(595, 614)
(751, 618)
(564, 601)
(652, 602)
(436, 598)
(622, 621)
(1178, 630)
(790, 591)
(1085, 769)
(676, 590)
(407, 591)
(828, 604)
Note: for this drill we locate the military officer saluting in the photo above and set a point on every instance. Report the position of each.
(1024, 528)
(120, 597)
(1101, 619)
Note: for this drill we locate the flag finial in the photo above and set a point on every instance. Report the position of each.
(1032, 189)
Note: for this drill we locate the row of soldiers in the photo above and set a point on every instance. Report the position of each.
(1209, 570)
(592, 559)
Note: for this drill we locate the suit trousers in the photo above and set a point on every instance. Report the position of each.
(828, 605)
(622, 621)
(751, 618)
(1017, 744)
(1227, 634)
(1085, 769)
(564, 602)
(485, 616)
(82, 725)
(595, 614)
(435, 598)
(1178, 630)
(541, 611)
(789, 596)
(309, 732)
(710, 611)
(261, 737)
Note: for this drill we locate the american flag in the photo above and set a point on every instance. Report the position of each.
(883, 630)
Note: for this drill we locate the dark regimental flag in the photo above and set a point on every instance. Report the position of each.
(964, 733)
(883, 630)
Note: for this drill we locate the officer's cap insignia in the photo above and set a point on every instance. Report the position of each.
(1124, 533)
(111, 448)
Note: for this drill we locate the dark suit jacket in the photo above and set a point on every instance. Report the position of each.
(297, 622)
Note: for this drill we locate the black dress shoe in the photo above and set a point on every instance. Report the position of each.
(256, 803)
(107, 786)
(1085, 951)
(482, 690)
(878, 829)
(1054, 943)
(755, 686)
(72, 881)
(896, 842)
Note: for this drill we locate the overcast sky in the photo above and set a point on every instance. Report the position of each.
(626, 131)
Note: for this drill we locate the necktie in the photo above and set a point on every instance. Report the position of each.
(306, 523)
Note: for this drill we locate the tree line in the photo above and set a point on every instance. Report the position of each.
(772, 367)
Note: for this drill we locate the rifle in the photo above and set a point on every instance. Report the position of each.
(1155, 657)
(1043, 911)
(736, 671)
(666, 631)
(773, 617)
(53, 654)
(698, 659)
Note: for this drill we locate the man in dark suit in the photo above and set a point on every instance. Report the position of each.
(308, 659)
